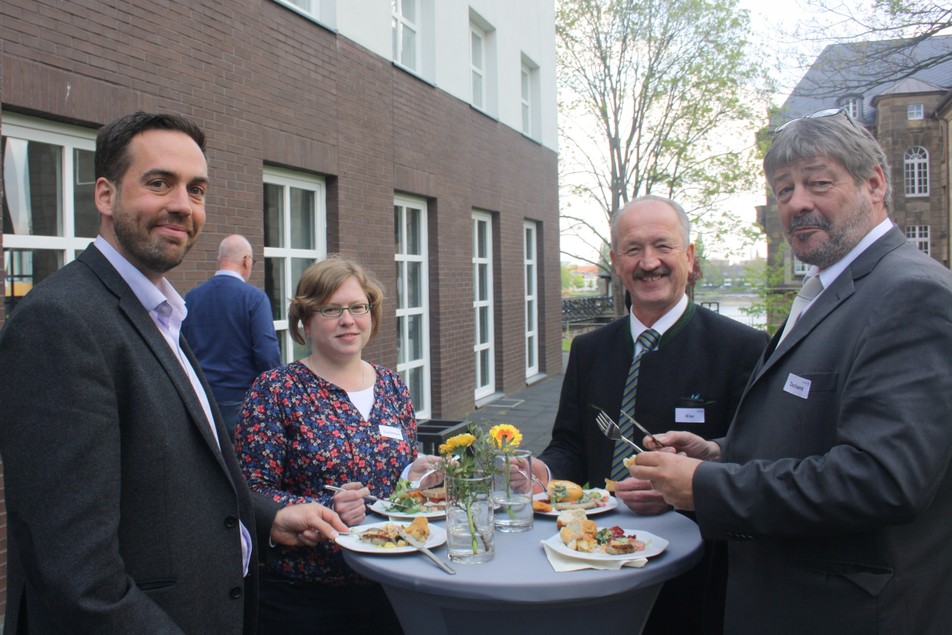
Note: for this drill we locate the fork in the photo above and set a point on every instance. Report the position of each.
(611, 430)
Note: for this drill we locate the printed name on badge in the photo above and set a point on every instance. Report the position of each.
(391, 432)
(689, 415)
(797, 386)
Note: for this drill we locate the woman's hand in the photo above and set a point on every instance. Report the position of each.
(426, 467)
(349, 503)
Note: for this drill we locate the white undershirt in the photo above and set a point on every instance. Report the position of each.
(363, 400)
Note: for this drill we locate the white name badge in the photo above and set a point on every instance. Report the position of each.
(391, 432)
(689, 415)
(797, 386)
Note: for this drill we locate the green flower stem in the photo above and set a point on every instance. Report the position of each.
(511, 513)
(472, 524)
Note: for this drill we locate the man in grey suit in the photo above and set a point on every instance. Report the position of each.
(833, 484)
(124, 513)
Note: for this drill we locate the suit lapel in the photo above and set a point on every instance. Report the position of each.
(140, 320)
(842, 288)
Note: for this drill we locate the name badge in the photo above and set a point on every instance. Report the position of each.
(797, 386)
(689, 415)
(391, 432)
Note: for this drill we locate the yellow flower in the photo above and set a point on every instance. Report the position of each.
(505, 436)
(454, 443)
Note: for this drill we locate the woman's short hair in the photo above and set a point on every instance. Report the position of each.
(320, 281)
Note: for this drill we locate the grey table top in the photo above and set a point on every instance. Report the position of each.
(520, 572)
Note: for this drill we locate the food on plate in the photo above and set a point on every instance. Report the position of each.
(568, 515)
(387, 536)
(569, 495)
(583, 536)
(541, 506)
(576, 530)
(407, 500)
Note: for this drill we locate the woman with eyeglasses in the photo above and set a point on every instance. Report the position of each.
(331, 418)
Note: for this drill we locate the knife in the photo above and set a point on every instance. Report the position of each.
(644, 430)
(416, 544)
(334, 488)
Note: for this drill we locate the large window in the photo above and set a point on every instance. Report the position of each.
(531, 273)
(405, 23)
(918, 235)
(295, 229)
(916, 171)
(49, 214)
(413, 304)
(483, 311)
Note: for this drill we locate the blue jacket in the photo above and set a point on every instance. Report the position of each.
(230, 329)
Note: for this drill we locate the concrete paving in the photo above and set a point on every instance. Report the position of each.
(531, 410)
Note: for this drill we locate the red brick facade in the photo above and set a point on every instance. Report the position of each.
(272, 88)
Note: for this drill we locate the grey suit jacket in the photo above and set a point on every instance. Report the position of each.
(123, 512)
(834, 485)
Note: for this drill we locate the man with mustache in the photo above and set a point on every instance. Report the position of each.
(691, 374)
(833, 485)
(126, 508)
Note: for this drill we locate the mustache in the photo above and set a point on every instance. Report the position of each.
(657, 271)
(809, 220)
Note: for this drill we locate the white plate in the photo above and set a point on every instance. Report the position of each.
(349, 541)
(383, 508)
(610, 505)
(653, 546)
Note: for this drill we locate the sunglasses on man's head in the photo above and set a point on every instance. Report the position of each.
(828, 112)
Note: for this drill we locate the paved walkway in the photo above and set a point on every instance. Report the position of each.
(531, 410)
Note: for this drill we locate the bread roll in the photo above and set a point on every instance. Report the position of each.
(568, 516)
(563, 491)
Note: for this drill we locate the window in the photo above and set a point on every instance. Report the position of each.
(800, 268)
(529, 96)
(405, 26)
(915, 111)
(483, 311)
(916, 171)
(49, 214)
(477, 65)
(918, 235)
(413, 303)
(295, 229)
(321, 11)
(531, 272)
(853, 105)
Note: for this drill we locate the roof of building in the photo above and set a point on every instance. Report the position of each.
(866, 70)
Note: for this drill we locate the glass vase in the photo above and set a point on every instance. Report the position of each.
(470, 534)
(512, 490)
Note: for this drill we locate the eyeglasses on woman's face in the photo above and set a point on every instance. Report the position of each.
(332, 311)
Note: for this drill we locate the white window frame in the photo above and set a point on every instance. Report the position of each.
(477, 66)
(853, 105)
(69, 139)
(529, 95)
(289, 180)
(530, 266)
(916, 171)
(323, 12)
(420, 366)
(915, 111)
(400, 23)
(483, 279)
(800, 268)
(919, 235)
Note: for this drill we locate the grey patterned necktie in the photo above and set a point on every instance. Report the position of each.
(648, 340)
(811, 289)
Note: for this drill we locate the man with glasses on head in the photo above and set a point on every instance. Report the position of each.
(833, 484)
(230, 329)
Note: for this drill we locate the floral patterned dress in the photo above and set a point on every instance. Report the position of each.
(297, 432)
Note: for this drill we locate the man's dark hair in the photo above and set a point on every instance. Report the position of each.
(112, 142)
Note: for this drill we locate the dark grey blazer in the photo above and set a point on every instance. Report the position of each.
(123, 512)
(835, 487)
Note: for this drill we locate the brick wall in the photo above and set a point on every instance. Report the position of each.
(271, 87)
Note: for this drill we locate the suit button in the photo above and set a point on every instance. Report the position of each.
(235, 592)
(231, 521)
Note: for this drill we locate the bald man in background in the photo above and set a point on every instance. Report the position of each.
(229, 327)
